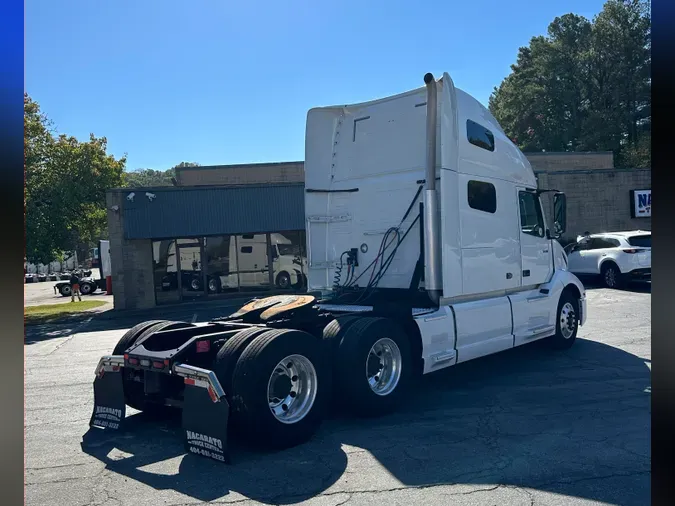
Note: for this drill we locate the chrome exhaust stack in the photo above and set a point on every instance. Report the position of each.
(432, 248)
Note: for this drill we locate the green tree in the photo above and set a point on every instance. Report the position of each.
(65, 188)
(144, 178)
(585, 86)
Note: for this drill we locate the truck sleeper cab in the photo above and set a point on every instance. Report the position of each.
(427, 246)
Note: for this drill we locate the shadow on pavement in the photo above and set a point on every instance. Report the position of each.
(99, 322)
(593, 283)
(529, 417)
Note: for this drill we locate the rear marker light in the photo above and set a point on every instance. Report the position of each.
(632, 250)
(158, 365)
(132, 361)
(203, 346)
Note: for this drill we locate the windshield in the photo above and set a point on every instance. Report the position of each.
(288, 249)
(641, 241)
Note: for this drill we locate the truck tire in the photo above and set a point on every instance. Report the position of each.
(196, 284)
(215, 286)
(65, 290)
(229, 353)
(283, 280)
(384, 349)
(87, 288)
(567, 322)
(335, 331)
(134, 392)
(281, 388)
(132, 335)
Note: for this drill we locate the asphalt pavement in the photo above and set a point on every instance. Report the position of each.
(37, 294)
(528, 426)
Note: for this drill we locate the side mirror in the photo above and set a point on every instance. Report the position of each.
(559, 214)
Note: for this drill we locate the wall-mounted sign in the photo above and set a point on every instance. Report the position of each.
(640, 203)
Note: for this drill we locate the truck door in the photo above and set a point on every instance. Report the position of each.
(535, 248)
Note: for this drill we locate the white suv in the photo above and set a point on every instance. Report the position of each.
(616, 256)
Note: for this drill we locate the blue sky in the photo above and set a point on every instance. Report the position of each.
(219, 82)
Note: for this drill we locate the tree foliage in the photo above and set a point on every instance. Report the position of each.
(65, 187)
(144, 178)
(586, 86)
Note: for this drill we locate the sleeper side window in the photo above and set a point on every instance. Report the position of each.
(531, 218)
(482, 196)
(480, 136)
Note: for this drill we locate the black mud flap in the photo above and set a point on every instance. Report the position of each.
(205, 424)
(109, 405)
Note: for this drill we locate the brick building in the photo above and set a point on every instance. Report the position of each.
(221, 228)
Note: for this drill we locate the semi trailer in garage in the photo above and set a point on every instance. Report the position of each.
(427, 246)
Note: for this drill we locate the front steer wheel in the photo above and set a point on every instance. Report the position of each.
(280, 389)
(567, 322)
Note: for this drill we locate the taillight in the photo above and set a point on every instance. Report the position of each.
(133, 361)
(634, 250)
(158, 365)
(203, 346)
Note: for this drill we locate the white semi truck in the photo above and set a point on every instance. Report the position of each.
(246, 264)
(427, 246)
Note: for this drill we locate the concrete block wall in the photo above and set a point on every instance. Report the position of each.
(552, 162)
(598, 200)
(131, 261)
(287, 172)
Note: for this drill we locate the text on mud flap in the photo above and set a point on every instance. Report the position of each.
(103, 412)
(194, 438)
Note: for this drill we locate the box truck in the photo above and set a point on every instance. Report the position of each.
(428, 246)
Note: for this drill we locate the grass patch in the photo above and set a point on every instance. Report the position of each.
(41, 314)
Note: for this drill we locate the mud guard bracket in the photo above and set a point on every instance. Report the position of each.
(109, 406)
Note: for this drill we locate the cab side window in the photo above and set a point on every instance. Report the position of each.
(482, 196)
(531, 219)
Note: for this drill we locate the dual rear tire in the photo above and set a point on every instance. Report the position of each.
(280, 382)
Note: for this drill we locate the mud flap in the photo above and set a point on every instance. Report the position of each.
(205, 423)
(109, 405)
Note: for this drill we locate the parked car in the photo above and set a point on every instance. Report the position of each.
(615, 256)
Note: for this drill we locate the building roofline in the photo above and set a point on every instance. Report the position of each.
(203, 187)
(566, 153)
(240, 165)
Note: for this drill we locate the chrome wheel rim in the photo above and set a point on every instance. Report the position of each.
(194, 284)
(212, 286)
(66, 290)
(291, 389)
(610, 277)
(568, 320)
(85, 289)
(383, 366)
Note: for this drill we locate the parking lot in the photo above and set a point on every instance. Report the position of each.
(37, 294)
(529, 426)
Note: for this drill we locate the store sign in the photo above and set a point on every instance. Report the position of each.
(640, 203)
